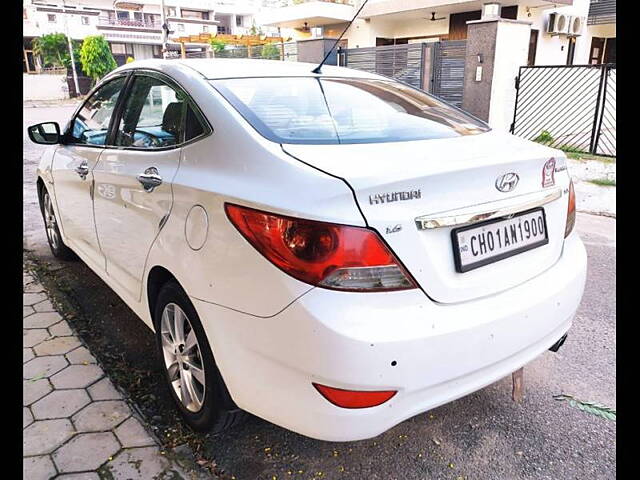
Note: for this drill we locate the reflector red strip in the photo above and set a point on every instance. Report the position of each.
(354, 398)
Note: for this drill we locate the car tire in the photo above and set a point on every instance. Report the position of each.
(57, 246)
(207, 405)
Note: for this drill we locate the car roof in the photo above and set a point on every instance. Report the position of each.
(216, 68)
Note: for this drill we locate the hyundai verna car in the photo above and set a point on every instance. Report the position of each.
(334, 252)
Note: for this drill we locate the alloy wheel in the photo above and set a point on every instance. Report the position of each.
(50, 222)
(182, 357)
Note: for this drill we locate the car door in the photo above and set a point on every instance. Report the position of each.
(72, 165)
(133, 176)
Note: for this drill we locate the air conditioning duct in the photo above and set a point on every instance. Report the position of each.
(558, 24)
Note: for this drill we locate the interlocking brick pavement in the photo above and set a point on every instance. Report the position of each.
(75, 422)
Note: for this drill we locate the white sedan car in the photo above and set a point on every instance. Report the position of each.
(334, 252)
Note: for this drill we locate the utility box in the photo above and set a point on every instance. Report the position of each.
(313, 50)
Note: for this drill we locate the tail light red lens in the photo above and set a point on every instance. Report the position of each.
(354, 398)
(323, 254)
(571, 211)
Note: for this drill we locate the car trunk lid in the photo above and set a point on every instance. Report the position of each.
(396, 183)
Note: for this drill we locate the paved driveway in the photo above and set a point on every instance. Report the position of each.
(482, 436)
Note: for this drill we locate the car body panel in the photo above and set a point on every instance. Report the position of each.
(127, 217)
(73, 197)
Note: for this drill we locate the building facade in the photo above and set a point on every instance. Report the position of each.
(133, 28)
(389, 22)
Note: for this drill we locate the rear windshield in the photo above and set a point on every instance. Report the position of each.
(343, 110)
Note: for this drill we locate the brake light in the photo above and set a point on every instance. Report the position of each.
(571, 211)
(354, 398)
(323, 254)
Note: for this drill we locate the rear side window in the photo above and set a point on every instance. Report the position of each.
(343, 110)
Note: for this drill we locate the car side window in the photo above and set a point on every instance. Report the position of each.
(153, 115)
(91, 124)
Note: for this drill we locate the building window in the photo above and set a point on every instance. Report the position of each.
(24, 13)
(172, 12)
(118, 49)
(181, 27)
(205, 15)
(193, 14)
(84, 20)
(238, 20)
(205, 28)
(123, 15)
(51, 17)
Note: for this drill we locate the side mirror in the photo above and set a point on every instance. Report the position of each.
(47, 133)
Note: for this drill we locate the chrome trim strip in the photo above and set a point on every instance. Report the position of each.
(495, 209)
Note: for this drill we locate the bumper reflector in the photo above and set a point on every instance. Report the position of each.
(354, 398)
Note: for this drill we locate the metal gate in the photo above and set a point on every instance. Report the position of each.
(571, 107)
(445, 62)
(402, 62)
(447, 79)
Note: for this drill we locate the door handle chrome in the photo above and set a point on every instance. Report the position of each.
(83, 170)
(150, 179)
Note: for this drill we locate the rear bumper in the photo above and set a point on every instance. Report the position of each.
(349, 340)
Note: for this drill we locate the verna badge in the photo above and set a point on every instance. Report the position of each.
(547, 173)
(507, 182)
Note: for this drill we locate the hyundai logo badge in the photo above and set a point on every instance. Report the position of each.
(507, 182)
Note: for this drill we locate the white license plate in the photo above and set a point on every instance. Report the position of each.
(478, 245)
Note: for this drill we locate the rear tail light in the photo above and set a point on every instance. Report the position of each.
(354, 398)
(571, 211)
(323, 254)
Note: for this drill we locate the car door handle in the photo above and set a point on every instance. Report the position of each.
(150, 179)
(83, 170)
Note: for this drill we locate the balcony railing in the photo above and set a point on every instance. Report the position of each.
(120, 22)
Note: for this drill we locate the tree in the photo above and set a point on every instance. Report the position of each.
(96, 57)
(54, 50)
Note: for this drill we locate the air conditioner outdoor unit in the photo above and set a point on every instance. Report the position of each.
(558, 24)
(576, 26)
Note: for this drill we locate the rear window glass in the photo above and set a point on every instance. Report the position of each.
(343, 110)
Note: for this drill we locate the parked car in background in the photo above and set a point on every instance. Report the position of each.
(334, 252)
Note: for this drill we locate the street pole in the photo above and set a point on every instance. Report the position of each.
(73, 60)
(165, 30)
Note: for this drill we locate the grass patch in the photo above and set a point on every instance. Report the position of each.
(576, 154)
(603, 182)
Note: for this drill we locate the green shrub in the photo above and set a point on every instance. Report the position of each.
(96, 57)
(270, 51)
(217, 44)
(544, 137)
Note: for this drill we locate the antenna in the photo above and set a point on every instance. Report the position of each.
(318, 69)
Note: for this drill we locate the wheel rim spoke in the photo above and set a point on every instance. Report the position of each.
(192, 389)
(179, 320)
(174, 371)
(190, 342)
(196, 371)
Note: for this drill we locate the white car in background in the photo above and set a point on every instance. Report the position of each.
(350, 250)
